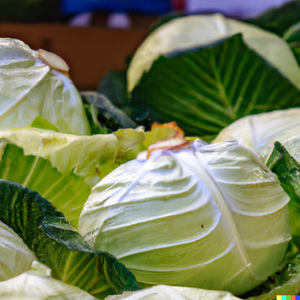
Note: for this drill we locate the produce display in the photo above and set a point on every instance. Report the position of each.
(179, 178)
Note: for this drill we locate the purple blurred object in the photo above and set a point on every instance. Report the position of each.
(144, 6)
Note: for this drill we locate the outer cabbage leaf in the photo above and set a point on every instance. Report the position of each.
(259, 132)
(15, 256)
(164, 292)
(31, 88)
(287, 170)
(37, 284)
(194, 31)
(209, 216)
(110, 116)
(90, 157)
(292, 37)
(66, 192)
(57, 244)
(207, 89)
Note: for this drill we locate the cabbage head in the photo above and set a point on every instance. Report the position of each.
(164, 292)
(29, 87)
(204, 216)
(261, 131)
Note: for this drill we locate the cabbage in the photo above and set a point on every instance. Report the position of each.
(211, 71)
(30, 87)
(164, 292)
(37, 284)
(195, 31)
(206, 216)
(259, 132)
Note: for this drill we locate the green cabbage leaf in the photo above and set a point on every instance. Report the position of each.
(201, 30)
(205, 216)
(90, 157)
(207, 88)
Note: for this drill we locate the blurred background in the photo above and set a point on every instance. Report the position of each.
(95, 36)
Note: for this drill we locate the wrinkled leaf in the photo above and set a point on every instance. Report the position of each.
(57, 244)
(90, 157)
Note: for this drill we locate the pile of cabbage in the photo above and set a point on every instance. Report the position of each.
(92, 205)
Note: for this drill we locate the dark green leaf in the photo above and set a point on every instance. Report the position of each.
(287, 170)
(114, 86)
(278, 20)
(104, 113)
(292, 37)
(57, 244)
(207, 89)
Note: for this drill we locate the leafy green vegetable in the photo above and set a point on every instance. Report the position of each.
(90, 157)
(57, 244)
(292, 37)
(114, 86)
(287, 170)
(207, 89)
(108, 115)
(31, 88)
(15, 257)
(37, 284)
(207, 216)
(278, 20)
(66, 192)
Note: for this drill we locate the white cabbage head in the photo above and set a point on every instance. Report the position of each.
(164, 292)
(206, 216)
(29, 88)
(261, 131)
